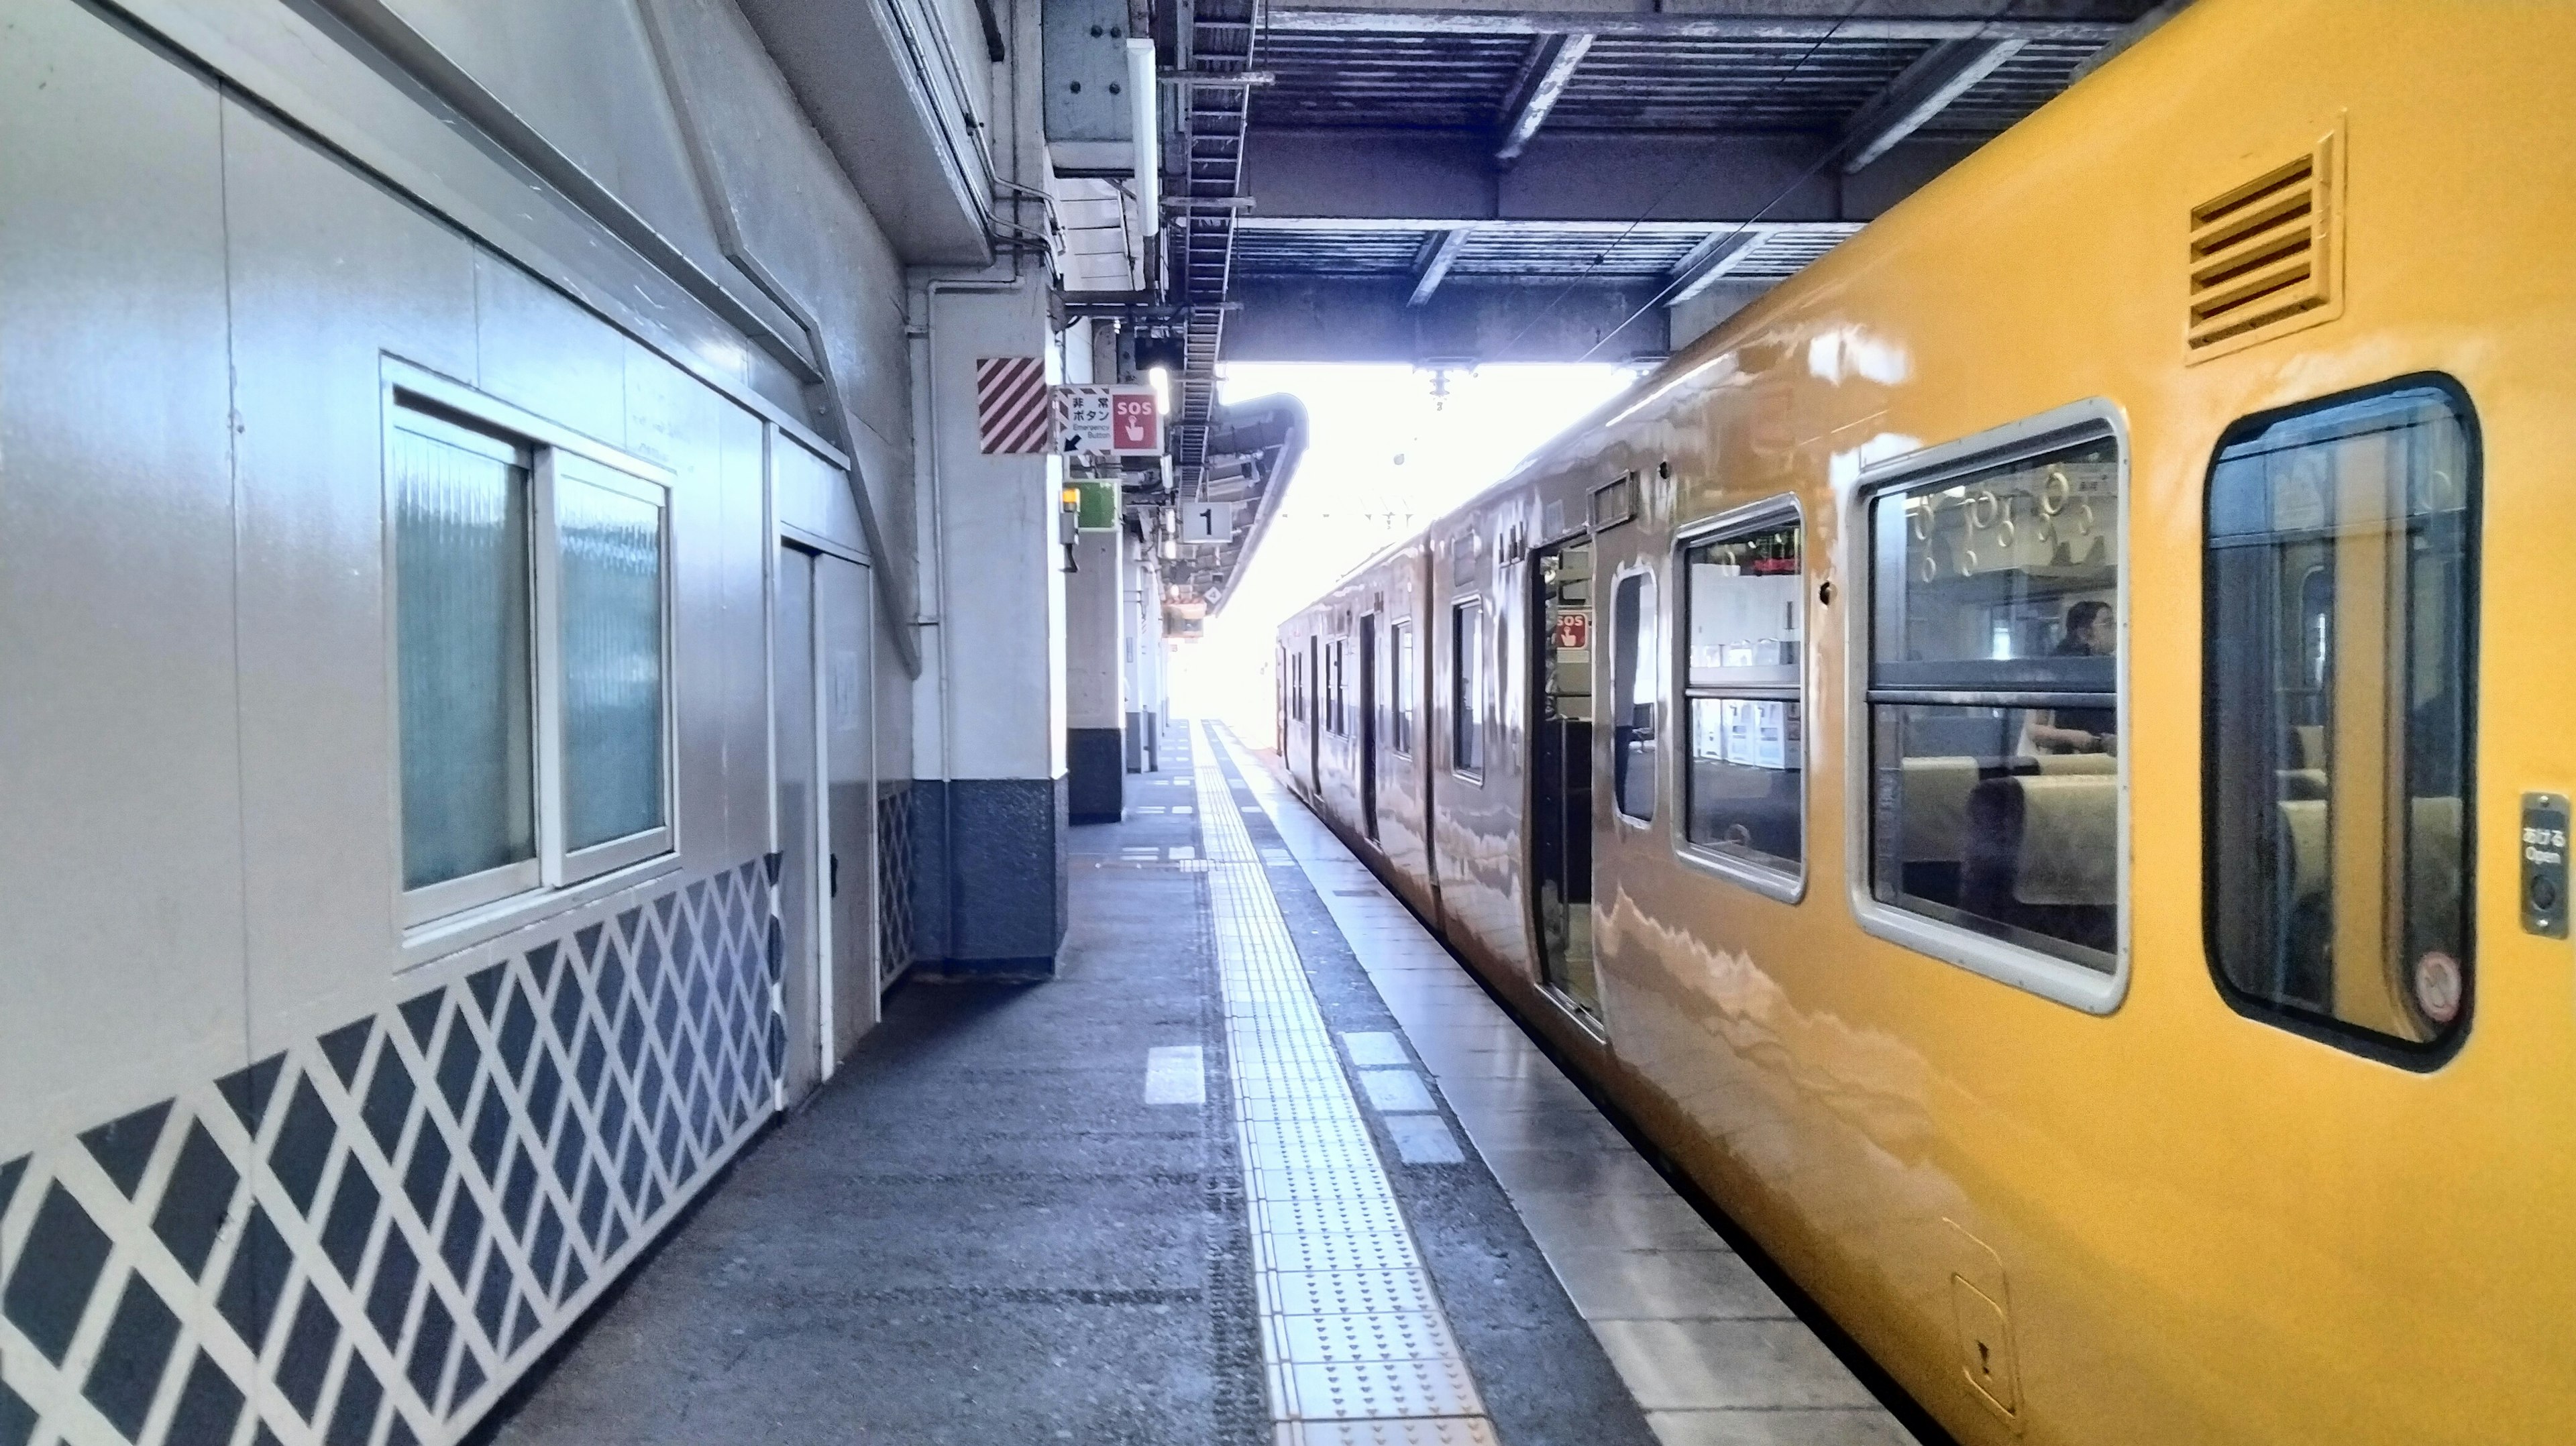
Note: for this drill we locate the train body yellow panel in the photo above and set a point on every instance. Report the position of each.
(2163, 1217)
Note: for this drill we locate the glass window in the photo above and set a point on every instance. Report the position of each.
(1407, 691)
(461, 606)
(609, 535)
(2341, 598)
(530, 651)
(1466, 704)
(1636, 694)
(1743, 794)
(1994, 701)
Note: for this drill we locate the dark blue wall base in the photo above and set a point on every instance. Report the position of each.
(988, 877)
(1095, 774)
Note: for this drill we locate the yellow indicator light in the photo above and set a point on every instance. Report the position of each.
(1072, 498)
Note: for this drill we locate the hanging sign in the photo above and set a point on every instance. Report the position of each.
(1114, 421)
(1207, 522)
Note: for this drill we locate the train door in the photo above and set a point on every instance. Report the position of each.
(826, 811)
(1368, 724)
(1560, 816)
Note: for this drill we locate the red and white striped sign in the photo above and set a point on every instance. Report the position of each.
(1013, 410)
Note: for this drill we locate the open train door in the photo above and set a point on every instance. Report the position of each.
(1560, 815)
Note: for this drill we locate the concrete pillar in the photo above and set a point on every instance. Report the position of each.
(989, 846)
(1095, 675)
(1144, 607)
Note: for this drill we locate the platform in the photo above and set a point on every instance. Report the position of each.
(1262, 1165)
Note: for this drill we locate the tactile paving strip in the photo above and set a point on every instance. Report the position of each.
(1358, 1350)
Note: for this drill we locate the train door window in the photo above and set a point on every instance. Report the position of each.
(1744, 786)
(1466, 702)
(2340, 608)
(531, 603)
(1335, 716)
(1636, 694)
(1994, 717)
(1406, 693)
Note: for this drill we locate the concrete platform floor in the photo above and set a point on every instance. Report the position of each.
(981, 1230)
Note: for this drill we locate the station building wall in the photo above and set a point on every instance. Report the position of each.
(277, 1164)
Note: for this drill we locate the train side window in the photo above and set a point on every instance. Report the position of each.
(1636, 694)
(1406, 694)
(2341, 616)
(1744, 786)
(1994, 720)
(1466, 702)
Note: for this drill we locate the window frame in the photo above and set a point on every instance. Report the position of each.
(2031, 970)
(2355, 1039)
(1458, 690)
(1619, 576)
(1785, 886)
(426, 404)
(565, 864)
(1401, 720)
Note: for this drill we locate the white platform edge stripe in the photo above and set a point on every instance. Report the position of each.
(1280, 1052)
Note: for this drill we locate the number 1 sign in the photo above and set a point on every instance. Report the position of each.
(1207, 521)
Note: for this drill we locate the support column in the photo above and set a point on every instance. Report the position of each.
(1095, 735)
(1144, 602)
(989, 843)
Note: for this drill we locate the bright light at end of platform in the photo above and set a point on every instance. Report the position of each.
(1388, 449)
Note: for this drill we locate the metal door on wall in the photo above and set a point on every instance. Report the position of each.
(826, 811)
(1561, 771)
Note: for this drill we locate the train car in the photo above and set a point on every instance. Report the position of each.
(2028, 761)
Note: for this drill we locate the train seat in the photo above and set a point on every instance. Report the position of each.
(2043, 854)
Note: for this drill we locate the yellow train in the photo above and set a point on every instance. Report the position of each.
(2033, 760)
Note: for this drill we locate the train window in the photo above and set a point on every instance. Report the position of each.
(1743, 791)
(531, 640)
(1407, 692)
(1636, 694)
(1466, 702)
(2341, 598)
(1994, 708)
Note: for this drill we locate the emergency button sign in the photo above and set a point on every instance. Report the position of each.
(1135, 422)
(1121, 421)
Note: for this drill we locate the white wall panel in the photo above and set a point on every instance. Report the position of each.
(673, 421)
(329, 273)
(581, 73)
(539, 351)
(744, 646)
(120, 828)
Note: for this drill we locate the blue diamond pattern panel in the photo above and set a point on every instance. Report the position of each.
(368, 1238)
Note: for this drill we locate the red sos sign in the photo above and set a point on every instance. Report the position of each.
(1135, 423)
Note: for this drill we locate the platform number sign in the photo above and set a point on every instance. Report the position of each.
(1119, 421)
(1207, 521)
